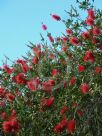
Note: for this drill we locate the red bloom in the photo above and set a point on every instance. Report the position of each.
(80, 113)
(3, 115)
(25, 67)
(10, 97)
(74, 41)
(71, 126)
(98, 70)
(2, 103)
(63, 110)
(44, 27)
(64, 48)
(84, 88)
(81, 68)
(58, 128)
(96, 31)
(47, 86)
(56, 17)
(7, 69)
(72, 81)
(100, 47)
(89, 56)
(69, 31)
(37, 51)
(91, 13)
(89, 21)
(11, 126)
(55, 72)
(33, 84)
(64, 39)
(2, 91)
(50, 38)
(20, 78)
(48, 102)
(35, 60)
(85, 35)
(61, 126)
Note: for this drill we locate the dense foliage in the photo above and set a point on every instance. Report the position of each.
(56, 89)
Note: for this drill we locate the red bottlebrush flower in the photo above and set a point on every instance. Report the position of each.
(51, 56)
(33, 84)
(63, 110)
(3, 115)
(84, 88)
(96, 31)
(89, 21)
(98, 70)
(58, 128)
(20, 61)
(69, 31)
(10, 97)
(47, 86)
(74, 41)
(95, 40)
(20, 79)
(89, 56)
(80, 113)
(51, 82)
(100, 47)
(48, 102)
(55, 72)
(44, 27)
(81, 68)
(63, 123)
(61, 126)
(25, 67)
(85, 35)
(2, 91)
(56, 17)
(64, 84)
(35, 60)
(91, 13)
(72, 81)
(37, 51)
(71, 126)
(13, 113)
(64, 48)
(11, 126)
(2, 103)
(51, 38)
(64, 39)
(7, 69)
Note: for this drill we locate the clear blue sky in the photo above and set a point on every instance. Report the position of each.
(20, 22)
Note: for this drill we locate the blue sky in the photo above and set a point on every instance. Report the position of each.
(20, 22)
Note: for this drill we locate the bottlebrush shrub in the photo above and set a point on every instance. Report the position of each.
(57, 89)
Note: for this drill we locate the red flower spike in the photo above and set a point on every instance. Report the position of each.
(44, 27)
(72, 81)
(74, 41)
(81, 68)
(71, 126)
(10, 97)
(47, 102)
(55, 72)
(63, 110)
(96, 31)
(98, 70)
(91, 13)
(69, 31)
(56, 17)
(89, 21)
(84, 88)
